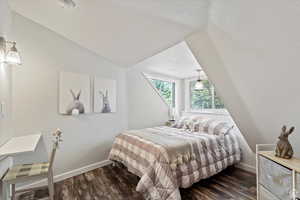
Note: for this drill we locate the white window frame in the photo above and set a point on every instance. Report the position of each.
(187, 92)
(149, 76)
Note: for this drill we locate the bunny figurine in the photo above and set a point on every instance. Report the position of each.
(284, 148)
(75, 106)
(106, 107)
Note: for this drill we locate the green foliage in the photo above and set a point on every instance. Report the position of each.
(205, 98)
(200, 99)
(166, 90)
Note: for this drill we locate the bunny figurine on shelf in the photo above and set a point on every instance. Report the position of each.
(284, 149)
(76, 106)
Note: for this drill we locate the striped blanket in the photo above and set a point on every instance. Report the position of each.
(160, 180)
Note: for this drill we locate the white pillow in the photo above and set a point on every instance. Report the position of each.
(180, 123)
(215, 127)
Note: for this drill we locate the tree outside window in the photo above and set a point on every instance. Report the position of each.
(205, 98)
(166, 89)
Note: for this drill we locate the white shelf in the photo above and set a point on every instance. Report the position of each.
(17, 145)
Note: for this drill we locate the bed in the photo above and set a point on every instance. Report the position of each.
(167, 158)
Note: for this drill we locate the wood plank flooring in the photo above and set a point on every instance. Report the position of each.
(116, 183)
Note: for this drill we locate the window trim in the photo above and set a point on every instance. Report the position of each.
(157, 77)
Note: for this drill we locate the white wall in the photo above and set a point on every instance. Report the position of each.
(259, 44)
(5, 88)
(5, 77)
(250, 52)
(5, 91)
(87, 138)
(5, 99)
(145, 107)
(6, 118)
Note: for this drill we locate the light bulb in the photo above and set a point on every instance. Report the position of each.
(13, 56)
(199, 85)
(2, 56)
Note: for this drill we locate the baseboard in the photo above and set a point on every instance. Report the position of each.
(67, 175)
(246, 167)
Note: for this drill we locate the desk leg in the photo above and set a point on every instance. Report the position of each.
(294, 184)
(5, 191)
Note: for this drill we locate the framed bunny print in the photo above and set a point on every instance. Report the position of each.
(74, 93)
(105, 95)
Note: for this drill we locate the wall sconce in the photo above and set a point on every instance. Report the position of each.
(9, 56)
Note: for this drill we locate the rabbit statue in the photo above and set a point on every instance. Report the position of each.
(284, 148)
(76, 106)
(106, 107)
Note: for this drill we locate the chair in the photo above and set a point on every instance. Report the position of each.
(33, 172)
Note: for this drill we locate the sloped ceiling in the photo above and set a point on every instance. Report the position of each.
(191, 12)
(124, 32)
(177, 61)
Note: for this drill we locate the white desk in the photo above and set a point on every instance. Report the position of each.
(17, 145)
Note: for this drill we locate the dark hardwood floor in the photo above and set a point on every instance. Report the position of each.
(116, 183)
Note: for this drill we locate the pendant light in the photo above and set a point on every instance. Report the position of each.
(199, 84)
(11, 56)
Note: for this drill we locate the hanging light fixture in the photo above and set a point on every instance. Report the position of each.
(199, 84)
(11, 56)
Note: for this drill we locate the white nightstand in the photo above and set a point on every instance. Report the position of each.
(277, 178)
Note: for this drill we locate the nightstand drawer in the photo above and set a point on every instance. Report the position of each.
(275, 178)
(265, 194)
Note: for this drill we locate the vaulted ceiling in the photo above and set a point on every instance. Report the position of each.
(124, 32)
(177, 61)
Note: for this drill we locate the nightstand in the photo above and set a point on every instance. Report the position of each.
(277, 178)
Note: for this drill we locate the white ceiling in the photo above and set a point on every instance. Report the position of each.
(177, 61)
(188, 12)
(124, 32)
(5, 18)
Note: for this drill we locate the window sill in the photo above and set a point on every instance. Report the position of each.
(209, 111)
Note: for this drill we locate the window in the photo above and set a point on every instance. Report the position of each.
(166, 90)
(205, 98)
